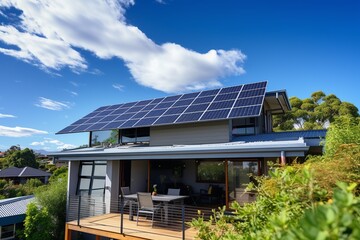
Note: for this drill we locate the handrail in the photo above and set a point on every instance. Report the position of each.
(88, 211)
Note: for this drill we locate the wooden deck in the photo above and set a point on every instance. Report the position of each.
(108, 225)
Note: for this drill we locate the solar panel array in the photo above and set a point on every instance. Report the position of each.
(224, 103)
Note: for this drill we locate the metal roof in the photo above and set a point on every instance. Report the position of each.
(13, 208)
(23, 172)
(219, 150)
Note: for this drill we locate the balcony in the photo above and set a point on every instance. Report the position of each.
(118, 220)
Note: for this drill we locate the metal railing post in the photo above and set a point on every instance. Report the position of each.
(183, 221)
(121, 214)
(78, 213)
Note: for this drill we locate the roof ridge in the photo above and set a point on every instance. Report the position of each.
(22, 171)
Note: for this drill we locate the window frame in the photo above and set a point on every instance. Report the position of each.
(13, 232)
(92, 177)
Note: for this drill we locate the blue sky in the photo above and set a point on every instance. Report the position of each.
(60, 60)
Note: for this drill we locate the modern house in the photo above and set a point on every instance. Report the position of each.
(12, 215)
(21, 175)
(209, 144)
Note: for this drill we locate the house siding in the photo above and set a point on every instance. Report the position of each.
(194, 133)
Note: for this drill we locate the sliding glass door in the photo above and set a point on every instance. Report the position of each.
(240, 174)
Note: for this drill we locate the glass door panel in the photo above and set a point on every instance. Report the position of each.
(239, 176)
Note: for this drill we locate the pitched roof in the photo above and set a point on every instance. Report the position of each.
(13, 210)
(23, 172)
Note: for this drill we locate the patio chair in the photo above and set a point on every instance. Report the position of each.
(125, 191)
(174, 191)
(146, 206)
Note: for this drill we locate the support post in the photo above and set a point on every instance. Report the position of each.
(67, 232)
(183, 220)
(79, 211)
(282, 158)
(122, 214)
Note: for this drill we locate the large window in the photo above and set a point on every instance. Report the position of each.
(7, 231)
(116, 136)
(210, 171)
(135, 135)
(243, 126)
(92, 178)
(104, 137)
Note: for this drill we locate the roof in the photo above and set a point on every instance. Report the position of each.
(282, 136)
(23, 172)
(211, 105)
(12, 210)
(200, 151)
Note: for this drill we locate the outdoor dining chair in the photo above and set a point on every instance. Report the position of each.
(125, 191)
(173, 191)
(146, 206)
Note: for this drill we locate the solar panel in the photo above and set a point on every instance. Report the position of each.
(167, 119)
(218, 104)
(217, 114)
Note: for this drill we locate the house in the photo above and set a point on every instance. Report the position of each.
(209, 144)
(21, 175)
(12, 215)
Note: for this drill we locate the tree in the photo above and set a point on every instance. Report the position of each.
(345, 130)
(21, 158)
(51, 205)
(316, 112)
(38, 223)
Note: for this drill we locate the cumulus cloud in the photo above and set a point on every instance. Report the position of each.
(6, 115)
(50, 34)
(49, 143)
(19, 131)
(51, 104)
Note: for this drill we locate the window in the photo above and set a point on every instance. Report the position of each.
(210, 171)
(101, 137)
(7, 231)
(92, 178)
(135, 135)
(243, 126)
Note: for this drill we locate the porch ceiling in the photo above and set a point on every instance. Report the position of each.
(292, 148)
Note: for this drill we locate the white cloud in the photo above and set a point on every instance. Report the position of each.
(49, 36)
(19, 131)
(72, 93)
(6, 116)
(75, 84)
(51, 104)
(118, 86)
(49, 143)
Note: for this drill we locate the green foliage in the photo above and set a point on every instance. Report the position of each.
(60, 172)
(343, 166)
(9, 190)
(51, 199)
(297, 201)
(21, 158)
(315, 112)
(338, 219)
(344, 130)
(38, 223)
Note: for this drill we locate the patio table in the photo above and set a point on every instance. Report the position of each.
(164, 199)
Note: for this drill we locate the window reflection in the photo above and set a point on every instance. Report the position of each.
(101, 137)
